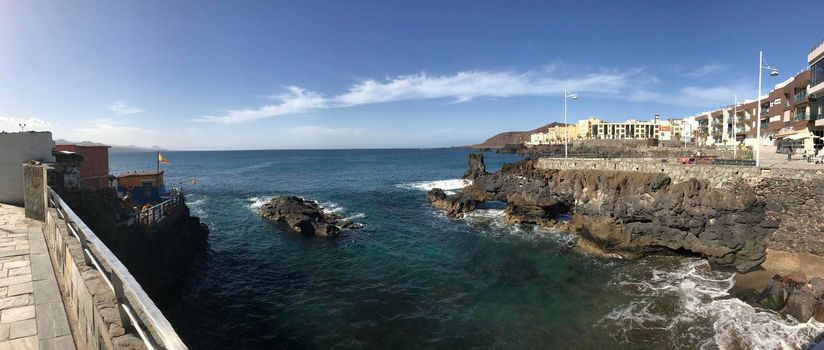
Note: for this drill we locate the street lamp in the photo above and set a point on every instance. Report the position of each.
(773, 72)
(566, 127)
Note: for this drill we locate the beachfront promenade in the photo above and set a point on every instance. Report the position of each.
(32, 314)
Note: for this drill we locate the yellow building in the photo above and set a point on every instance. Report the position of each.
(558, 133)
(585, 127)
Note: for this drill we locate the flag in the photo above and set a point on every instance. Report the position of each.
(160, 159)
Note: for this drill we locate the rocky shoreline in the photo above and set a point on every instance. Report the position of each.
(625, 214)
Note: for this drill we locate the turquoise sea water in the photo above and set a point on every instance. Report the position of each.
(414, 278)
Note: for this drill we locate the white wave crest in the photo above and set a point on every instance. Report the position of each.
(691, 305)
(256, 202)
(328, 207)
(446, 185)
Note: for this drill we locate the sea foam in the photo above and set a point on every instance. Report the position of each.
(701, 298)
(448, 185)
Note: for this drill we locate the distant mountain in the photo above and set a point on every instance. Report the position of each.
(114, 148)
(511, 137)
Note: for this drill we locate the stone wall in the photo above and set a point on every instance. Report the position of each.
(93, 310)
(16, 149)
(793, 197)
(798, 206)
(716, 175)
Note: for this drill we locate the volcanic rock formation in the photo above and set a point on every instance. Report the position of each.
(305, 216)
(625, 213)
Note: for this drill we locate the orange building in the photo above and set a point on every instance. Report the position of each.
(94, 169)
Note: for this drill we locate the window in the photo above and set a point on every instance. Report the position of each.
(817, 73)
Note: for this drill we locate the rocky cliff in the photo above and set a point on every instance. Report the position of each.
(160, 256)
(626, 214)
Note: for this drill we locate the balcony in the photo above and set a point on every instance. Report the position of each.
(801, 96)
(800, 116)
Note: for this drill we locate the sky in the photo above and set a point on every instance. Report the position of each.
(208, 75)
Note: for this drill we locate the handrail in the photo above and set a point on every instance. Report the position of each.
(817, 45)
(119, 280)
(157, 212)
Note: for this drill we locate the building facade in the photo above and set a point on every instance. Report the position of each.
(631, 129)
(17, 148)
(792, 114)
(94, 169)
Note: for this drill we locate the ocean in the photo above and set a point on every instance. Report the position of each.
(414, 278)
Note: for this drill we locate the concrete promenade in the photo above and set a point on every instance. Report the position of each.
(32, 315)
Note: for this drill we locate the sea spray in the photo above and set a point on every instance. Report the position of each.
(690, 303)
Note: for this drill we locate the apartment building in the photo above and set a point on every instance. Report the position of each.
(631, 129)
(790, 113)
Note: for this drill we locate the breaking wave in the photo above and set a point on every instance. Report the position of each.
(195, 204)
(256, 202)
(446, 185)
(492, 223)
(328, 207)
(690, 305)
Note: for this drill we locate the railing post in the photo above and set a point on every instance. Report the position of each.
(120, 298)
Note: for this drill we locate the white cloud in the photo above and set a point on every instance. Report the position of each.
(120, 108)
(10, 124)
(320, 131)
(705, 70)
(631, 85)
(296, 100)
(710, 96)
(461, 87)
(110, 132)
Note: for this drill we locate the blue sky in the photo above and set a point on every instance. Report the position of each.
(364, 74)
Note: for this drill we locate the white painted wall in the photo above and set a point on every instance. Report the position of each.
(16, 149)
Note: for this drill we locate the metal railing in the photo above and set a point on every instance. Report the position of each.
(121, 283)
(157, 212)
(817, 45)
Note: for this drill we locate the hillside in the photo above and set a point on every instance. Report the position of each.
(511, 137)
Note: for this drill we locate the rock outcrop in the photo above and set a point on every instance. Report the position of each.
(305, 216)
(626, 213)
(161, 256)
(791, 295)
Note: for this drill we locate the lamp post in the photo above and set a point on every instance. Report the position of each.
(773, 72)
(566, 127)
(734, 131)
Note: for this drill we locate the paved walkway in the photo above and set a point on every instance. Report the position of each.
(771, 159)
(31, 309)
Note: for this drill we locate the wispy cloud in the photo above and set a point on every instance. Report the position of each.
(633, 85)
(9, 124)
(705, 70)
(110, 132)
(120, 108)
(459, 87)
(710, 96)
(294, 101)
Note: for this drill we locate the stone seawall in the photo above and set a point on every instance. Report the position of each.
(93, 310)
(793, 197)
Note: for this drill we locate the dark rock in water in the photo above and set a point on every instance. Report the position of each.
(305, 216)
(800, 304)
(626, 213)
(774, 297)
(475, 166)
(454, 205)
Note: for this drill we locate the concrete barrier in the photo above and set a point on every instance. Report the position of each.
(92, 306)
